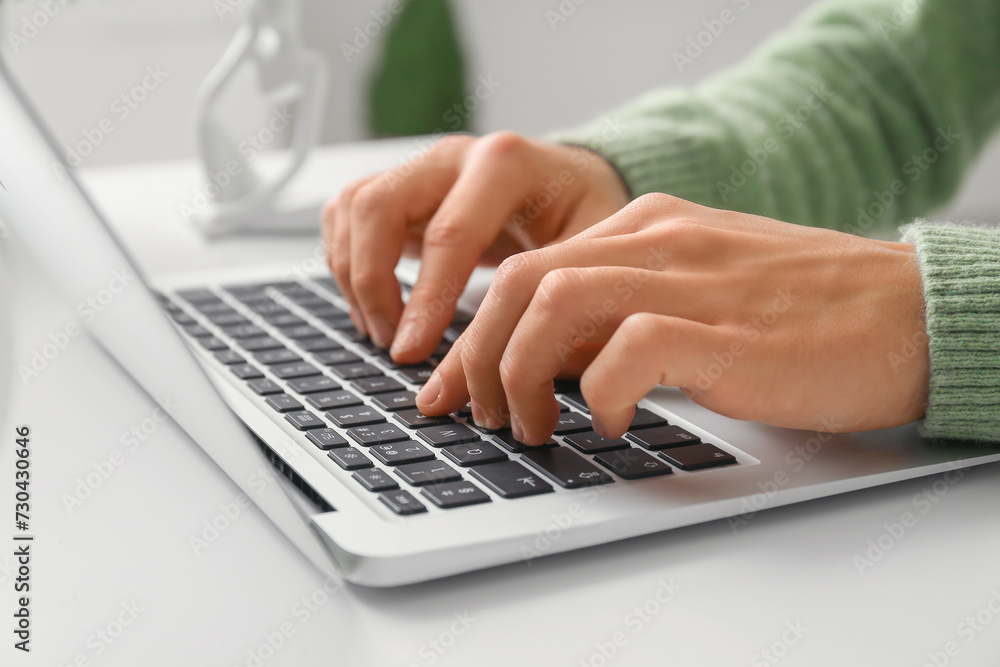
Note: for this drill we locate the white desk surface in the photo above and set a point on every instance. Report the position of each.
(738, 592)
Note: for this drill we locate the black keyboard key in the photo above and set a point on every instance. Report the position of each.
(565, 467)
(510, 479)
(197, 331)
(374, 479)
(286, 320)
(505, 438)
(590, 442)
(465, 411)
(397, 400)
(408, 451)
(427, 472)
(303, 331)
(180, 317)
(350, 458)
(402, 502)
(416, 374)
(448, 434)
(283, 403)
(341, 398)
(353, 335)
(355, 370)
(572, 422)
(212, 344)
(209, 307)
(377, 434)
(633, 463)
(662, 437)
(645, 419)
(312, 384)
(295, 370)
(474, 453)
(376, 385)
(272, 357)
(417, 419)
(229, 357)
(360, 415)
(334, 357)
(454, 494)
(227, 319)
(197, 295)
(338, 322)
(244, 331)
(694, 457)
(264, 387)
(246, 371)
(318, 344)
(574, 399)
(326, 438)
(304, 420)
(260, 343)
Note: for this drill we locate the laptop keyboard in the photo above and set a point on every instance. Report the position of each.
(294, 346)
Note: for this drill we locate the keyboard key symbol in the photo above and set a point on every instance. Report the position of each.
(530, 481)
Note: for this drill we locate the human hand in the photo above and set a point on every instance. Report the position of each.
(753, 318)
(451, 208)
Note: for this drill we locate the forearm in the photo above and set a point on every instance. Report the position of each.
(852, 119)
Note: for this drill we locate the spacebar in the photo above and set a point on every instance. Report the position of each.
(565, 468)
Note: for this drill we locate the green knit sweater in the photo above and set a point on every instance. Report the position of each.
(865, 114)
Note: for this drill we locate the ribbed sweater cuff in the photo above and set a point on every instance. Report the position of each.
(960, 266)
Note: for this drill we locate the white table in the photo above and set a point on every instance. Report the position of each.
(121, 562)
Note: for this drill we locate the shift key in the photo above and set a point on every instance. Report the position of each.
(566, 468)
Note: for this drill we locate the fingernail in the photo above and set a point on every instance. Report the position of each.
(379, 330)
(405, 339)
(598, 426)
(478, 416)
(359, 322)
(515, 428)
(430, 392)
(484, 418)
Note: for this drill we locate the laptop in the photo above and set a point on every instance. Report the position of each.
(268, 376)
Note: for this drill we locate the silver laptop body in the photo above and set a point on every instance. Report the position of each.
(368, 536)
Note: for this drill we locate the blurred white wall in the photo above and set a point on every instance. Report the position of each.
(552, 73)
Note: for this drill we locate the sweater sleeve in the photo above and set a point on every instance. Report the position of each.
(863, 115)
(960, 266)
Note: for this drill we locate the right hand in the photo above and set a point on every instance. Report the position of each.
(454, 208)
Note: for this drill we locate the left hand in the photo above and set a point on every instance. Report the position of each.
(753, 318)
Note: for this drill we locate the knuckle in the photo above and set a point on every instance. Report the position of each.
(447, 233)
(328, 215)
(513, 270)
(503, 144)
(558, 287)
(366, 202)
(364, 281)
(640, 330)
(453, 143)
